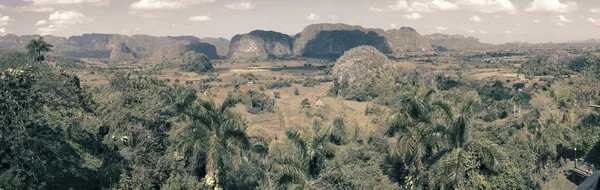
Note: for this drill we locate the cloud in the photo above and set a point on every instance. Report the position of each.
(488, 6)
(156, 5)
(441, 28)
(332, 17)
(3, 31)
(60, 20)
(420, 7)
(551, 6)
(28, 8)
(508, 32)
(537, 21)
(199, 18)
(392, 25)
(413, 16)
(562, 20)
(593, 21)
(475, 18)
(595, 10)
(41, 23)
(375, 9)
(400, 5)
(4, 20)
(67, 2)
(312, 16)
(442, 5)
(478, 32)
(240, 5)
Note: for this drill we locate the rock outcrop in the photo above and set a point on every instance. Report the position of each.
(332, 40)
(456, 42)
(116, 47)
(260, 45)
(357, 70)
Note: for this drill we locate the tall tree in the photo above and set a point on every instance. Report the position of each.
(215, 133)
(299, 168)
(37, 47)
(419, 128)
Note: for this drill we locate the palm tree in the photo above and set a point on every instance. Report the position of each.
(419, 129)
(469, 161)
(37, 47)
(222, 129)
(466, 167)
(299, 168)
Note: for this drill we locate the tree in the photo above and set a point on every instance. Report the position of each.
(419, 131)
(37, 47)
(305, 103)
(299, 168)
(215, 133)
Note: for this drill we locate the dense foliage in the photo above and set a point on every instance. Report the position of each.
(426, 130)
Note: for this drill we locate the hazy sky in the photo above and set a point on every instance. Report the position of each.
(492, 21)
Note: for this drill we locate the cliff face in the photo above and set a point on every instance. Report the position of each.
(332, 40)
(259, 46)
(221, 44)
(407, 39)
(456, 42)
(116, 47)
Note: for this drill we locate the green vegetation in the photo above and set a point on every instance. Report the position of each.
(378, 125)
(195, 62)
(37, 48)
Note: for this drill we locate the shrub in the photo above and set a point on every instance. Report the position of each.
(276, 94)
(296, 92)
(305, 103)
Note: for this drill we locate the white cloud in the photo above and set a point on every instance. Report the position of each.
(40, 23)
(477, 32)
(312, 16)
(595, 10)
(392, 25)
(442, 5)
(508, 32)
(199, 18)
(28, 8)
(441, 28)
(488, 6)
(3, 31)
(4, 20)
(475, 18)
(240, 5)
(593, 21)
(420, 7)
(375, 9)
(537, 21)
(332, 17)
(156, 5)
(413, 16)
(562, 20)
(551, 6)
(400, 5)
(60, 20)
(66, 2)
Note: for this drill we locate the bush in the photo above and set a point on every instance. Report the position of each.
(305, 103)
(276, 94)
(296, 92)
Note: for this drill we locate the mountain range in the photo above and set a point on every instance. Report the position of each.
(317, 40)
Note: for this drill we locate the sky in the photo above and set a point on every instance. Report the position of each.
(492, 21)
